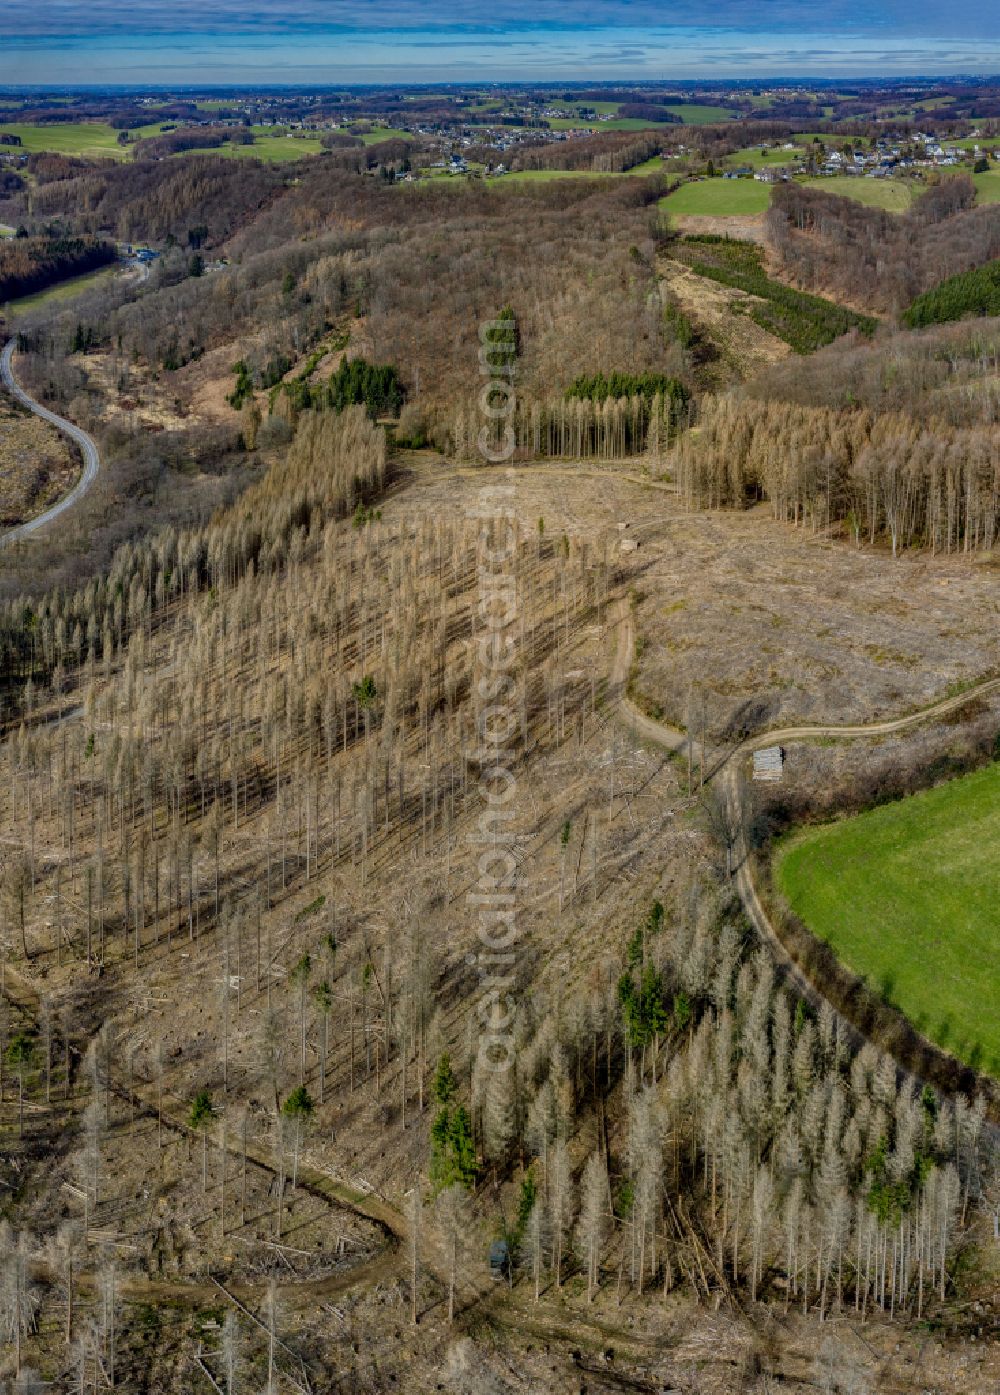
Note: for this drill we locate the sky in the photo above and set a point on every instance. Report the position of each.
(310, 42)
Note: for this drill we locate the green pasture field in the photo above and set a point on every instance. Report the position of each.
(719, 198)
(381, 133)
(617, 123)
(757, 158)
(273, 149)
(987, 187)
(894, 195)
(62, 291)
(701, 115)
(88, 139)
(654, 165)
(908, 895)
(544, 176)
(651, 166)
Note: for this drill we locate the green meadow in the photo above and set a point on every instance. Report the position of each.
(719, 198)
(894, 195)
(87, 139)
(62, 291)
(908, 895)
(987, 187)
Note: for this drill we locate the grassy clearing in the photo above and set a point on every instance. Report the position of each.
(654, 165)
(894, 195)
(987, 187)
(87, 139)
(64, 290)
(907, 895)
(720, 198)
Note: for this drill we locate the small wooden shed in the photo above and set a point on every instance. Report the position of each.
(768, 763)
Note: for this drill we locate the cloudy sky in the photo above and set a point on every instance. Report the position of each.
(313, 41)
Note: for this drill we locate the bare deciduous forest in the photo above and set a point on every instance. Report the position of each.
(865, 256)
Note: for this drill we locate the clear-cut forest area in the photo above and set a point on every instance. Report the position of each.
(499, 743)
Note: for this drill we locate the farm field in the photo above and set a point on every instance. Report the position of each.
(987, 187)
(545, 176)
(652, 166)
(907, 895)
(381, 133)
(94, 140)
(90, 139)
(694, 115)
(757, 158)
(617, 123)
(894, 195)
(700, 115)
(274, 149)
(719, 198)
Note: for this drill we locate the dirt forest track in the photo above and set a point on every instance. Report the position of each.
(88, 449)
(724, 766)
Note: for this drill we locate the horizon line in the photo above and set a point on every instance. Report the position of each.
(770, 80)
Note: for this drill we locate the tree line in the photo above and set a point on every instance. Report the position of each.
(29, 264)
(584, 427)
(610, 152)
(918, 484)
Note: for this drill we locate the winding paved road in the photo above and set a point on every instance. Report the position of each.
(91, 458)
